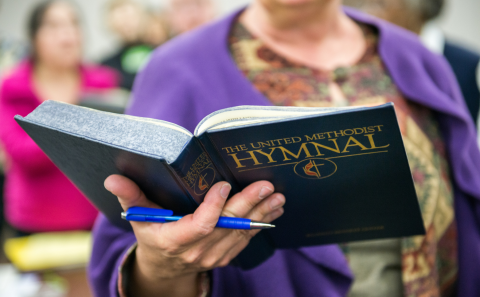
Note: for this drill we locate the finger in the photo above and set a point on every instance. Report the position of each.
(229, 250)
(202, 222)
(273, 215)
(238, 238)
(229, 243)
(218, 255)
(266, 211)
(128, 193)
(266, 207)
(242, 203)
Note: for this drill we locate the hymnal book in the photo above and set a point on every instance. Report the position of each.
(344, 171)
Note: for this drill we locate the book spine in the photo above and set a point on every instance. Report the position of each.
(220, 164)
(261, 246)
(196, 171)
(200, 157)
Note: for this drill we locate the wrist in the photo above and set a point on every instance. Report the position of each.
(159, 267)
(148, 280)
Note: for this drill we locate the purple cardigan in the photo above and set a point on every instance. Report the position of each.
(194, 75)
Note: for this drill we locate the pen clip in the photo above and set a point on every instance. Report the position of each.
(145, 211)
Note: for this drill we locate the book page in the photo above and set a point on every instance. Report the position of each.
(149, 136)
(246, 115)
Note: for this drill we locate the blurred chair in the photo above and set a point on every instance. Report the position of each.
(50, 264)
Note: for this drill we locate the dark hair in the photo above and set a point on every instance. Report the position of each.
(38, 14)
(431, 9)
(36, 18)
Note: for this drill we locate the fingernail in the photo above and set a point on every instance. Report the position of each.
(276, 203)
(225, 190)
(264, 192)
(278, 213)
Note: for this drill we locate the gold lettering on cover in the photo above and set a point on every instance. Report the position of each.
(198, 165)
(306, 143)
(238, 148)
(379, 130)
(317, 145)
(237, 160)
(352, 230)
(299, 139)
(356, 143)
(372, 143)
(315, 136)
(277, 140)
(264, 144)
(227, 149)
(361, 130)
(269, 156)
(329, 158)
(296, 156)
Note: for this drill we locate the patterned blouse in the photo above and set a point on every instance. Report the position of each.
(427, 265)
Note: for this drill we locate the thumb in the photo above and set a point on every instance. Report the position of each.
(127, 192)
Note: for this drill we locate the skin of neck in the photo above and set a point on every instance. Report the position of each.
(316, 33)
(44, 71)
(312, 21)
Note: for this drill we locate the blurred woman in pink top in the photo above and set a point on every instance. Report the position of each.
(38, 197)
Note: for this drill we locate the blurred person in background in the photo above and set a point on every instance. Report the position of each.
(419, 17)
(156, 29)
(139, 32)
(38, 197)
(302, 53)
(12, 51)
(185, 15)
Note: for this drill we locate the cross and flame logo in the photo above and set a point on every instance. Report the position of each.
(204, 180)
(315, 168)
(312, 166)
(201, 182)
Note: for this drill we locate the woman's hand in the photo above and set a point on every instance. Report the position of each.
(169, 256)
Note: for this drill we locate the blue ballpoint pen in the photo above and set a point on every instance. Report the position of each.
(155, 215)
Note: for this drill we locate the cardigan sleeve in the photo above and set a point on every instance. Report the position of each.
(20, 148)
(111, 245)
(434, 85)
(461, 133)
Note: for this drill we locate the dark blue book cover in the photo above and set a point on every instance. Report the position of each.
(345, 175)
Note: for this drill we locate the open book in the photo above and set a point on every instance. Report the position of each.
(344, 171)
